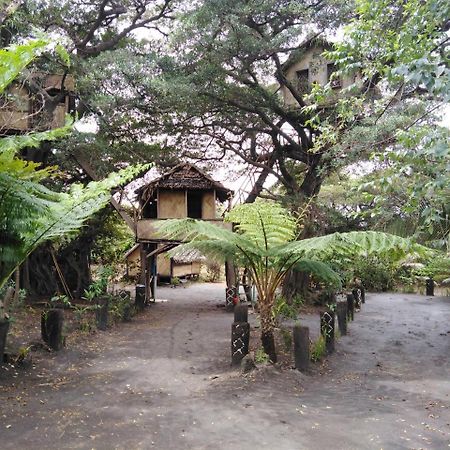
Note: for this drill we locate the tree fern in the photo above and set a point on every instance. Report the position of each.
(264, 244)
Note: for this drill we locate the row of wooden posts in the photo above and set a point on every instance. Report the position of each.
(343, 310)
(52, 320)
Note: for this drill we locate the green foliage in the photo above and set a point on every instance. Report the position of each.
(318, 349)
(401, 41)
(30, 213)
(99, 287)
(261, 357)
(58, 301)
(120, 308)
(438, 269)
(113, 238)
(375, 274)
(282, 309)
(14, 59)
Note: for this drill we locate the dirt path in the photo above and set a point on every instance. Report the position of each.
(164, 382)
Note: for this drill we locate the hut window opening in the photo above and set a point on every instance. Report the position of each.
(150, 209)
(303, 80)
(194, 204)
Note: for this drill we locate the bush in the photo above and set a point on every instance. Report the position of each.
(375, 274)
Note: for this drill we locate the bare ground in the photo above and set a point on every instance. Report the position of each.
(163, 381)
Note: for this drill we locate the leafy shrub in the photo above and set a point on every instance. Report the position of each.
(375, 274)
(261, 357)
(283, 309)
(318, 349)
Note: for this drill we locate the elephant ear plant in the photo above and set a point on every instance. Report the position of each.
(264, 243)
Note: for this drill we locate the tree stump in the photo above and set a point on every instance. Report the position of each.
(51, 328)
(350, 307)
(301, 347)
(241, 313)
(327, 329)
(139, 301)
(101, 313)
(341, 310)
(240, 338)
(430, 287)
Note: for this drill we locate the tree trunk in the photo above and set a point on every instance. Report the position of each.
(267, 326)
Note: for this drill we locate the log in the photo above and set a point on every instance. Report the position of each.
(341, 311)
(301, 347)
(240, 338)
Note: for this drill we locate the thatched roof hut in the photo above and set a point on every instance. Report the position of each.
(184, 176)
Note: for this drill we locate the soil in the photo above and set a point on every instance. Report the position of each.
(164, 381)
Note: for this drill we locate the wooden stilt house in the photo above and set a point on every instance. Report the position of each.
(185, 191)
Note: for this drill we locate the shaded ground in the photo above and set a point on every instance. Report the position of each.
(163, 381)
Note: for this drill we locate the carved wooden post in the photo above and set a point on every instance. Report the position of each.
(101, 313)
(301, 347)
(139, 300)
(232, 283)
(51, 328)
(357, 297)
(350, 307)
(240, 338)
(327, 329)
(363, 294)
(341, 310)
(430, 287)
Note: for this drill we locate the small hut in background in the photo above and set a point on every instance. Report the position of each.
(185, 191)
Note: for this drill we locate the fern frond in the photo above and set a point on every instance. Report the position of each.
(320, 270)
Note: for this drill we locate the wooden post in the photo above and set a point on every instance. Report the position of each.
(341, 310)
(327, 329)
(241, 313)
(240, 338)
(4, 327)
(301, 347)
(357, 297)
(350, 307)
(139, 300)
(51, 328)
(143, 258)
(363, 294)
(231, 290)
(430, 287)
(101, 313)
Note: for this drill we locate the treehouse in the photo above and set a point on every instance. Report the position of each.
(22, 111)
(185, 191)
(307, 66)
